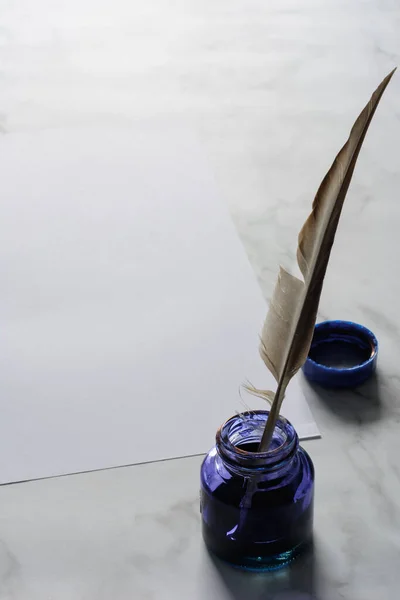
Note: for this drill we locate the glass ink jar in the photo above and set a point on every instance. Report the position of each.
(257, 507)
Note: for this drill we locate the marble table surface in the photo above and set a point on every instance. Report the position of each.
(134, 532)
(271, 88)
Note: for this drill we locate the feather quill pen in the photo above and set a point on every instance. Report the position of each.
(288, 329)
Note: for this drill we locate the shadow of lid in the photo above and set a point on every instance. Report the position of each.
(363, 404)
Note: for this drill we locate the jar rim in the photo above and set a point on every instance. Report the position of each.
(267, 459)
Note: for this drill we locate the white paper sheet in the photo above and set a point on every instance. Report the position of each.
(129, 313)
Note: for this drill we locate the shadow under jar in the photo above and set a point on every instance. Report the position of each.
(257, 507)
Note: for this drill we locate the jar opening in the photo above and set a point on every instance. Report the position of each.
(238, 440)
(251, 444)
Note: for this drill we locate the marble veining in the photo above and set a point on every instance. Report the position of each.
(271, 88)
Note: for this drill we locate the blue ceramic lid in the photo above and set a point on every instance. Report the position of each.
(343, 354)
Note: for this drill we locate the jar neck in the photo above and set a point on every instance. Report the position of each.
(238, 438)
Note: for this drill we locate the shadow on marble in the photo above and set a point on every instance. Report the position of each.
(360, 405)
(298, 581)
